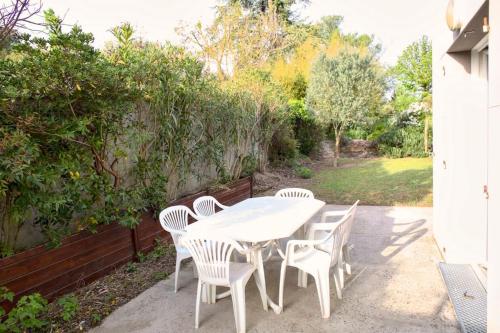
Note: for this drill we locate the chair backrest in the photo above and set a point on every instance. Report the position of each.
(294, 193)
(205, 206)
(336, 236)
(350, 222)
(211, 255)
(175, 220)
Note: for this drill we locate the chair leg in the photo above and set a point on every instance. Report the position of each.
(282, 284)
(323, 286)
(302, 279)
(198, 298)
(346, 254)
(338, 285)
(177, 268)
(195, 271)
(238, 297)
(213, 294)
(340, 269)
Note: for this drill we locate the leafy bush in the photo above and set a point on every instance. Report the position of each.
(283, 147)
(69, 306)
(402, 142)
(308, 132)
(303, 172)
(249, 166)
(357, 133)
(90, 137)
(27, 315)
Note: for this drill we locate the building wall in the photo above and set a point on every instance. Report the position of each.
(494, 171)
(467, 139)
(460, 152)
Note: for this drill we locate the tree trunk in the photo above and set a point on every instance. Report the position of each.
(338, 135)
(426, 134)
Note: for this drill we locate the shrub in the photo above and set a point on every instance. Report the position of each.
(69, 306)
(303, 172)
(90, 137)
(308, 132)
(27, 315)
(249, 166)
(402, 142)
(283, 147)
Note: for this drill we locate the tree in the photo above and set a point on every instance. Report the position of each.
(237, 40)
(413, 76)
(17, 14)
(283, 7)
(342, 90)
(63, 109)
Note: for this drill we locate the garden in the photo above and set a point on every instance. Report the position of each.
(99, 138)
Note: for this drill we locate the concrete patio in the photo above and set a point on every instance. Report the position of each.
(395, 287)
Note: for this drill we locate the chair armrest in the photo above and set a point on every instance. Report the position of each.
(177, 232)
(220, 205)
(323, 226)
(292, 244)
(332, 213)
(196, 217)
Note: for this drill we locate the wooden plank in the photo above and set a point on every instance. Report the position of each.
(58, 256)
(68, 241)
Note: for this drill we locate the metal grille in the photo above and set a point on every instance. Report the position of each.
(467, 295)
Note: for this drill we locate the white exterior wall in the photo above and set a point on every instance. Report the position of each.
(467, 137)
(460, 152)
(494, 171)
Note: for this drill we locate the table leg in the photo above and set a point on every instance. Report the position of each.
(260, 280)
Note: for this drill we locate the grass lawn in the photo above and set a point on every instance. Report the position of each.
(380, 181)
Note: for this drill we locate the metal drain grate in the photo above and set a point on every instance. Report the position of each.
(467, 295)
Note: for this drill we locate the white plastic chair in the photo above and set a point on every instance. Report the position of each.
(205, 206)
(294, 193)
(315, 233)
(212, 258)
(305, 255)
(174, 220)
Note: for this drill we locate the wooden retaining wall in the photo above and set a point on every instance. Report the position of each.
(85, 256)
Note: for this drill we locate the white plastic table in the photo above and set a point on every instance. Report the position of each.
(259, 220)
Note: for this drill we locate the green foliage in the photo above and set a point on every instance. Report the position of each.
(90, 137)
(160, 276)
(160, 250)
(141, 256)
(63, 108)
(283, 147)
(131, 267)
(402, 142)
(69, 306)
(413, 70)
(282, 7)
(5, 295)
(411, 103)
(96, 318)
(303, 172)
(343, 90)
(27, 315)
(249, 165)
(308, 132)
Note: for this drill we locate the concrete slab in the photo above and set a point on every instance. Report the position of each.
(395, 287)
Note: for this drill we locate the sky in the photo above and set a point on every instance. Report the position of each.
(395, 23)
